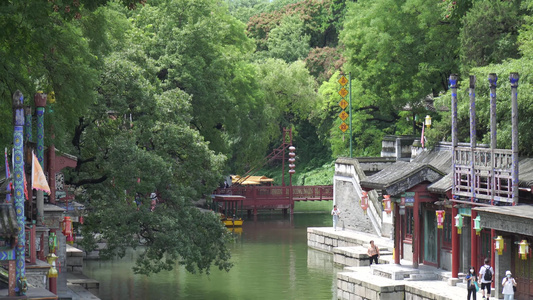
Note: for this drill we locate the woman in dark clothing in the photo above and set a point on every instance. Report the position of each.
(471, 280)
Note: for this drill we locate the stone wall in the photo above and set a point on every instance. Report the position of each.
(347, 193)
(324, 241)
(350, 287)
(74, 259)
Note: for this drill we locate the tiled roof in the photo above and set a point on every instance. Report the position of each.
(437, 160)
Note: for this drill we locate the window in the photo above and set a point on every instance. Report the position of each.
(409, 223)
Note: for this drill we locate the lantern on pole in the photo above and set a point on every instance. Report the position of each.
(52, 242)
(51, 259)
(66, 226)
(387, 205)
(459, 223)
(498, 244)
(428, 121)
(291, 172)
(440, 218)
(523, 249)
(477, 225)
(364, 201)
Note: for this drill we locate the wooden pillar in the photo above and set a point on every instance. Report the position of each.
(493, 82)
(52, 173)
(514, 118)
(473, 241)
(416, 232)
(455, 246)
(473, 180)
(492, 252)
(397, 234)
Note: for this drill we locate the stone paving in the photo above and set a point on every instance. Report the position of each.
(426, 282)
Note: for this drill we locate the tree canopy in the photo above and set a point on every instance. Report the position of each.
(168, 96)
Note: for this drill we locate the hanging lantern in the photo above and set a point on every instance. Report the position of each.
(51, 259)
(428, 121)
(498, 245)
(52, 242)
(477, 225)
(523, 249)
(292, 160)
(459, 223)
(364, 201)
(66, 226)
(387, 205)
(440, 218)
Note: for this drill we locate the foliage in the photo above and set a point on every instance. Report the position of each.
(288, 40)
(317, 17)
(489, 33)
(323, 62)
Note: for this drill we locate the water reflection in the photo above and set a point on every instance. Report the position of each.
(271, 257)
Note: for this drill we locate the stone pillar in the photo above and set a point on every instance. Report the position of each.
(502, 263)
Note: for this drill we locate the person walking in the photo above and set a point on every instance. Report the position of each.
(471, 282)
(373, 253)
(508, 284)
(486, 273)
(335, 213)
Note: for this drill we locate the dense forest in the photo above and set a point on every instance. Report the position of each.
(171, 95)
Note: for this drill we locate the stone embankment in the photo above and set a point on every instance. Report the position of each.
(384, 281)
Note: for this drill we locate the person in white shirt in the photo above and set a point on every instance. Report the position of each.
(508, 282)
(335, 213)
(486, 273)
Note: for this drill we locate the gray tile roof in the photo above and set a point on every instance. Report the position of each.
(438, 161)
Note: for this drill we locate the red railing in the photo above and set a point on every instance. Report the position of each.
(277, 196)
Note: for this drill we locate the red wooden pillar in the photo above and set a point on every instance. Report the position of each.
(473, 240)
(416, 233)
(455, 246)
(397, 234)
(492, 253)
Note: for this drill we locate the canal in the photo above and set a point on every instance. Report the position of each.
(271, 261)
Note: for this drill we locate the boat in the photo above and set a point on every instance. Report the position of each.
(228, 204)
(230, 222)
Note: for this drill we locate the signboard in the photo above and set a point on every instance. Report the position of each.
(343, 92)
(343, 127)
(343, 104)
(343, 115)
(343, 81)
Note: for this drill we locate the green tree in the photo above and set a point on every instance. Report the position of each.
(288, 41)
(489, 33)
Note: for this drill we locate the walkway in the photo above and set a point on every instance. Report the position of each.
(375, 282)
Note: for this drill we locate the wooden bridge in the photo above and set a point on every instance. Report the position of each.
(276, 197)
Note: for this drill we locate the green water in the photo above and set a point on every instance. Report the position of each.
(271, 257)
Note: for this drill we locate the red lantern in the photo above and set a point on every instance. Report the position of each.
(66, 227)
(440, 218)
(364, 201)
(387, 206)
